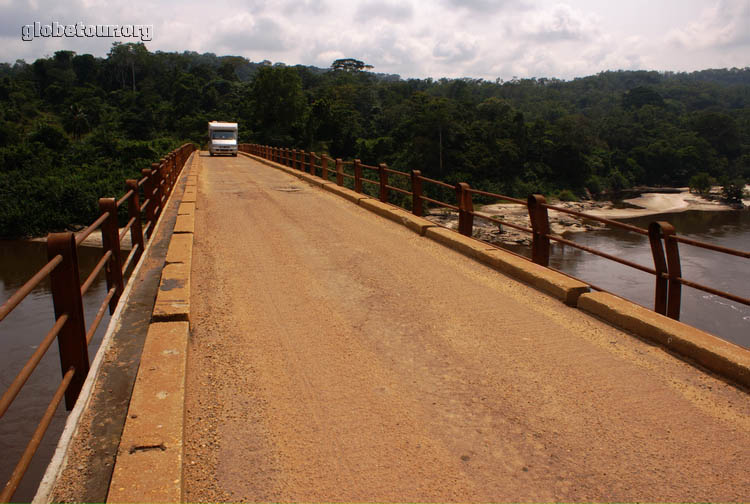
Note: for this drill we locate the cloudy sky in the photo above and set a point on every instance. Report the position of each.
(414, 38)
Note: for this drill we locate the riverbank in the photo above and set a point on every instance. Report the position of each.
(676, 200)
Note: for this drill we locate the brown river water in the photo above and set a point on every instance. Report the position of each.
(22, 331)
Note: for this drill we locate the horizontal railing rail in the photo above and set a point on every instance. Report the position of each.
(62, 269)
(663, 240)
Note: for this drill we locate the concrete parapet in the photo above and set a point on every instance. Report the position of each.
(186, 209)
(190, 194)
(185, 223)
(149, 460)
(396, 214)
(556, 284)
(180, 248)
(312, 179)
(563, 287)
(349, 194)
(173, 299)
(717, 355)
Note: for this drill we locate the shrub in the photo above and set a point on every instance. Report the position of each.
(567, 195)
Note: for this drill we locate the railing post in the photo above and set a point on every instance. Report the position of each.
(417, 205)
(540, 226)
(173, 172)
(134, 213)
(339, 172)
(312, 163)
(324, 167)
(383, 182)
(294, 159)
(465, 209)
(66, 296)
(148, 193)
(357, 176)
(156, 180)
(675, 271)
(660, 266)
(416, 193)
(163, 170)
(673, 295)
(111, 241)
(168, 172)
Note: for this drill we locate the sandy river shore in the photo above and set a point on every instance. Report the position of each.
(561, 223)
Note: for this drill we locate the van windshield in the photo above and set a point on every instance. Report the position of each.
(222, 135)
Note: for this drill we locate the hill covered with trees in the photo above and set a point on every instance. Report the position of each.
(73, 127)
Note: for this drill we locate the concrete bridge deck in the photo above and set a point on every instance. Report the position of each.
(335, 355)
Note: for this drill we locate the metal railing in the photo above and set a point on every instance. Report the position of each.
(70, 329)
(663, 240)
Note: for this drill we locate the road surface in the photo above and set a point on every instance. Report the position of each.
(337, 356)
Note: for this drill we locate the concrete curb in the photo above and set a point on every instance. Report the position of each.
(557, 285)
(352, 196)
(149, 459)
(417, 224)
(721, 357)
(724, 358)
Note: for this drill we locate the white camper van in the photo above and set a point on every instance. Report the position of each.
(222, 138)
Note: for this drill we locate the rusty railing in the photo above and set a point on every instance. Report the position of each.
(663, 240)
(70, 329)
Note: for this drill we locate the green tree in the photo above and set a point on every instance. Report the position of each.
(701, 182)
(350, 65)
(279, 108)
(733, 190)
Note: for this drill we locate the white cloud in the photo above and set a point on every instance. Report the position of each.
(250, 35)
(725, 24)
(394, 12)
(486, 6)
(458, 48)
(560, 23)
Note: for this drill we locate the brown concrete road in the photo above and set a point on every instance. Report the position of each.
(337, 356)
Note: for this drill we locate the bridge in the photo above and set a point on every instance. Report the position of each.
(309, 341)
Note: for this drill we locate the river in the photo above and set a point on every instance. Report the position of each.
(27, 325)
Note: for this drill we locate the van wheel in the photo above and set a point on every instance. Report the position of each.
(212, 154)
